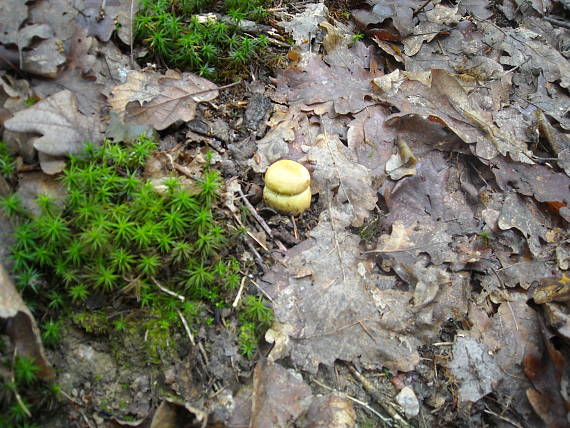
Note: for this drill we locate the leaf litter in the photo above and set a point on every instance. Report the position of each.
(452, 132)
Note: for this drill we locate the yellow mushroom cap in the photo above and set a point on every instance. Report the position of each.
(287, 177)
(287, 187)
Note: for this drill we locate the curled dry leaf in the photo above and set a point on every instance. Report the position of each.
(21, 326)
(161, 100)
(545, 368)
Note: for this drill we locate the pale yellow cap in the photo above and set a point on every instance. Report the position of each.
(287, 177)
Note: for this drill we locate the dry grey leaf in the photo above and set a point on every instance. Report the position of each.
(527, 50)
(476, 371)
(478, 8)
(161, 100)
(329, 313)
(329, 411)
(21, 326)
(305, 26)
(63, 128)
(100, 18)
(279, 396)
(317, 84)
(399, 11)
(32, 184)
(525, 216)
(13, 13)
(337, 168)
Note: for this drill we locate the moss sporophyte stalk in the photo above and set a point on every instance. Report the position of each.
(117, 236)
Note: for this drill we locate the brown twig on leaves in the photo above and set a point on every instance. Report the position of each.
(253, 212)
(421, 7)
(362, 403)
(389, 407)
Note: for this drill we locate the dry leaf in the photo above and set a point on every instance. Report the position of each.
(63, 128)
(21, 326)
(279, 396)
(161, 100)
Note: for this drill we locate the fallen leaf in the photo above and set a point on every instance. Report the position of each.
(545, 367)
(21, 327)
(476, 371)
(332, 159)
(161, 100)
(279, 396)
(329, 411)
(329, 313)
(63, 128)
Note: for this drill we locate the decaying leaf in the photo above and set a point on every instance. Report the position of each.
(400, 12)
(330, 312)
(332, 159)
(545, 369)
(329, 411)
(401, 164)
(474, 368)
(319, 83)
(279, 396)
(63, 128)
(21, 326)
(161, 100)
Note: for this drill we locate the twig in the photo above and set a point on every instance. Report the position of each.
(419, 247)
(336, 244)
(261, 289)
(240, 291)
(362, 403)
(185, 324)
(295, 234)
(389, 408)
(253, 212)
(557, 22)
(131, 42)
(256, 255)
(167, 291)
(503, 418)
(421, 7)
(15, 390)
(251, 235)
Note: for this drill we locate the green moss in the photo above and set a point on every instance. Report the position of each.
(173, 32)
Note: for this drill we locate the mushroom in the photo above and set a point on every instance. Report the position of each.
(287, 187)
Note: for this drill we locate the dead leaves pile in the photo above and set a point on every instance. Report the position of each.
(465, 145)
(81, 75)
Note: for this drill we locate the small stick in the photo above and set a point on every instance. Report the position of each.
(240, 291)
(253, 212)
(294, 228)
(185, 324)
(131, 56)
(421, 7)
(169, 292)
(504, 418)
(336, 244)
(16, 393)
(378, 398)
(261, 289)
(362, 403)
(557, 22)
(256, 255)
(251, 235)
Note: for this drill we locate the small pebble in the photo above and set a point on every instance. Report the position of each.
(409, 402)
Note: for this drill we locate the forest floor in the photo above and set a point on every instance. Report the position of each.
(426, 286)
